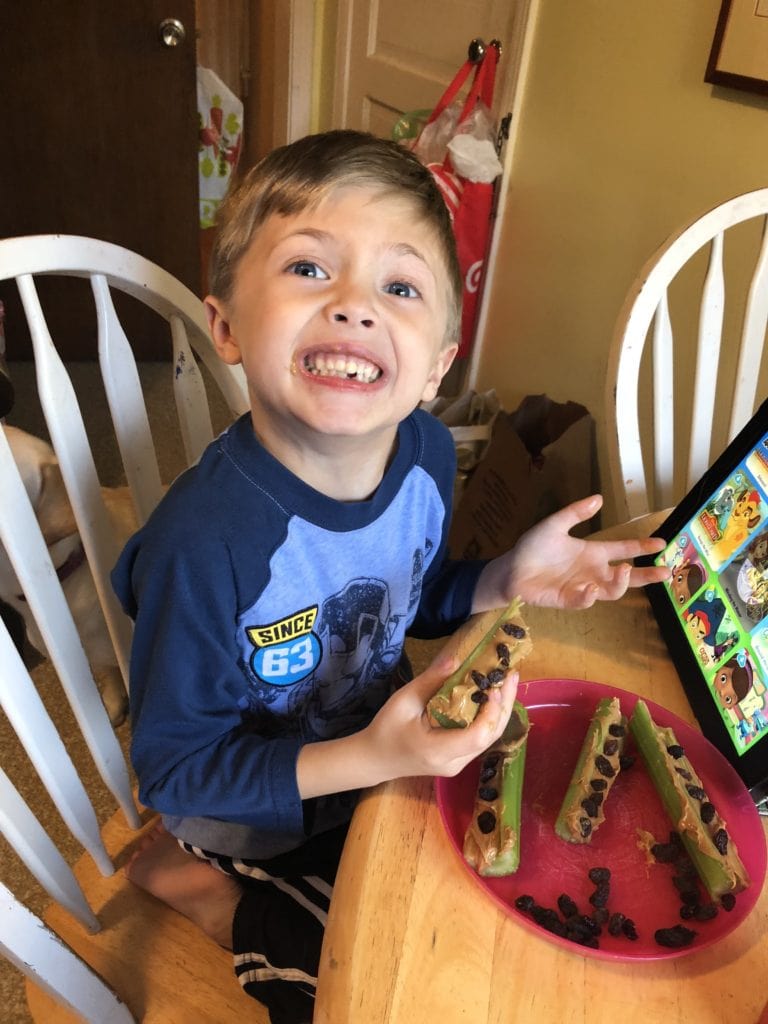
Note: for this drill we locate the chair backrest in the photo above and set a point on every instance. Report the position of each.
(703, 300)
(108, 268)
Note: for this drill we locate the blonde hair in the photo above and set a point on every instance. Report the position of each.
(298, 176)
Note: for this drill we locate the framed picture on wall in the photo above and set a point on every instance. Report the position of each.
(739, 55)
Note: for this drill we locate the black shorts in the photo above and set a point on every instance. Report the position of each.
(277, 932)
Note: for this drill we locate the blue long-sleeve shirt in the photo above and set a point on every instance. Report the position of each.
(267, 616)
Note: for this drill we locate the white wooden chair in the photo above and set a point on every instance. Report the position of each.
(158, 964)
(669, 414)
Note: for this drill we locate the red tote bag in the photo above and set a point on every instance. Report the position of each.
(469, 202)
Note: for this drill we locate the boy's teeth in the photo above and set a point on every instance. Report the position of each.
(342, 366)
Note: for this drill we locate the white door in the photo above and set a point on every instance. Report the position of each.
(398, 56)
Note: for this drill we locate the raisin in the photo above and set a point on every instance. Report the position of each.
(604, 766)
(684, 773)
(696, 792)
(720, 839)
(598, 875)
(616, 924)
(626, 761)
(664, 853)
(479, 697)
(610, 747)
(675, 937)
(728, 901)
(503, 652)
(598, 784)
(599, 897)
(687, 912)
(512, 629)
(707, 812)
(600, 915)
(629, 929)
(479, 679)
(580, 935)
(705, 912)
(525, 902)
(689, 898)
(547, 918)
(617, 730)
(589, 923)
(675, 750)
(496, 676)
(486, 822)
(585, 827)
(589, 806)
(597, 798)
(566, 905)
(487, 772)
(488, 793)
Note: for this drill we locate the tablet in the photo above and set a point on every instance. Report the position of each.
(713, 612)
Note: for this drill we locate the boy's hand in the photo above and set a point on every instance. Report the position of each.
(403, 742)
(551, 568)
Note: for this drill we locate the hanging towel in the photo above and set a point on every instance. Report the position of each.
(220, 116)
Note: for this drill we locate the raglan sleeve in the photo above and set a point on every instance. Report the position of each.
(194, 753)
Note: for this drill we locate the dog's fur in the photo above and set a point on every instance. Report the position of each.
(42, 478)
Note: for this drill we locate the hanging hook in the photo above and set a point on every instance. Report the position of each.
(476, 51)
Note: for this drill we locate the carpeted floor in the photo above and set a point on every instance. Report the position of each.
(26, 414)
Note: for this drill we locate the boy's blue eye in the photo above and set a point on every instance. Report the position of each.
(405, 291)
(306, 268)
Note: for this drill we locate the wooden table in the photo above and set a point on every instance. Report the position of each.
(411, 939)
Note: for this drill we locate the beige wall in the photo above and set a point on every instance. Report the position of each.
(620, 142)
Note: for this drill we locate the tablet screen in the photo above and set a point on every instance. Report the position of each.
(714, 609)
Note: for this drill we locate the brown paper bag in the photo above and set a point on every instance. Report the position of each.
(540, 457)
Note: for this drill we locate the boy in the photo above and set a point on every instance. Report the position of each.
(273, 587)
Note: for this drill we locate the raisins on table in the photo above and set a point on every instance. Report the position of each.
(604, 766)
(486, 822)
(675, 937)
(525, 902)
(629, 929)
(600, 896)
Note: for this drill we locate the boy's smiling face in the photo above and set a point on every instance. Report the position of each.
(339, 317)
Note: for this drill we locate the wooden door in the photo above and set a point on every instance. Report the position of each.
(100, 139)
(399, 56)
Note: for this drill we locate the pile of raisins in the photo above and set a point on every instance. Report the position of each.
(570, 923)
(694, 906)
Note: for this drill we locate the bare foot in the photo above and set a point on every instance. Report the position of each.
(205, 895)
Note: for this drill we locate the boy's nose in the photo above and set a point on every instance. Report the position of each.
(343, 318)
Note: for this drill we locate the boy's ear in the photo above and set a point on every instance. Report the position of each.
(440, 367)
(221, 334)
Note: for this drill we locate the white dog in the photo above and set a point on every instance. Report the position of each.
(42, 478)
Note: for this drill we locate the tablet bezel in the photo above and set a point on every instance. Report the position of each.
(752, 765)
